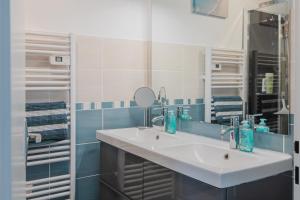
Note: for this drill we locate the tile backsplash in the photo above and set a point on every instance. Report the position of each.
(110, 69)
(108, 72)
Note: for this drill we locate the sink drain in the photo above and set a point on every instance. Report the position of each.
(226, 156)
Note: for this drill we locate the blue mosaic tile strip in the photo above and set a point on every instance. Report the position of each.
(133, 104)
(107, 104)
(178, 101)
(122, 104)
(79, 106)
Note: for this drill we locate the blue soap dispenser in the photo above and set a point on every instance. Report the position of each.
(246, 137)
(171, 122)
(262, 127)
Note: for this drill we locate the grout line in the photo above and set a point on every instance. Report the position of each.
(90, 176)
(87, 143)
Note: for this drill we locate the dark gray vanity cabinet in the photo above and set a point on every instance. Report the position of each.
(124, 176)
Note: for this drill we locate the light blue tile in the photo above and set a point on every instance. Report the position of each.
(122, 104)
(269, 141)
(79, 106)
(37, 172)
(87, 122)
(88, 188)
(178, 101)
(289, 144)
(87, 159)
(197, 112)
(59, 168)
(93, 106)
(108, 104)
(201, 128)
(133, 104)
(123, 118)
(199, 101)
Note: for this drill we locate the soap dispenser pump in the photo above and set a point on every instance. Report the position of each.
(262, 127)
(246, 137)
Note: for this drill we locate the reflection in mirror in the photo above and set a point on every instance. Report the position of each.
(162, 96)
(205, 63)
(268, 56)
(144, 97)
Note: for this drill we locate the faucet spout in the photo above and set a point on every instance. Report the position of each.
(161, 118)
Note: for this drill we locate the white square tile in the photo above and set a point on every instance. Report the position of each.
(88, 52)
(121, 84)
(124, 54)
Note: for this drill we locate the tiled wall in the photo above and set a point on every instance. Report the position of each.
(88, 147)
(110, 69)
(108, 73)
(179, 68)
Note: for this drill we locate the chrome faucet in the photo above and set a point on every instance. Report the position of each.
(162, 118)
(234, 130)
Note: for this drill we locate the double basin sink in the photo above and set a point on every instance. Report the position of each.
(208, 160)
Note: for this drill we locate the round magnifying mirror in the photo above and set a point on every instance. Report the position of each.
(144, 97)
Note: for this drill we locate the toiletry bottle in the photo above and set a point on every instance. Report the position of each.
(246, 137)
(171, 122)
(269, 83)
(262, 127)
(185, 115)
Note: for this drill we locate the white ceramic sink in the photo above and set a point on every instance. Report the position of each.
(216, 157)
(205, 159)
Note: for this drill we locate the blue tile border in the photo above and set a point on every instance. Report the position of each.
(108, 104)
(127, 104)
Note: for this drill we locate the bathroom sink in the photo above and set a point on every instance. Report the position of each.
(208, 160)
(208, 155)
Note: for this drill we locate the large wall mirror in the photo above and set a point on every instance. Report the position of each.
(237, 64)
(268, 48)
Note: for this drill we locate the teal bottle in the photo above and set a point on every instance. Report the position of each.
(262, 127)
(185, 116)
(246, 137)
(171, 122)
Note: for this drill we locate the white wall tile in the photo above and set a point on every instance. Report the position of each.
(89, 85)
(88, 52)
(167, 56)
(121, 84)
(124, 54)
(171, 80)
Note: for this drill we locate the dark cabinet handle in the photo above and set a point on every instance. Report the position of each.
(296, 146)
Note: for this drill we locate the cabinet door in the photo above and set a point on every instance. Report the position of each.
(159, 182)
(122, 171)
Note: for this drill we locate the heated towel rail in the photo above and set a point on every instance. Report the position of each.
(50, 73)
(224, 71)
